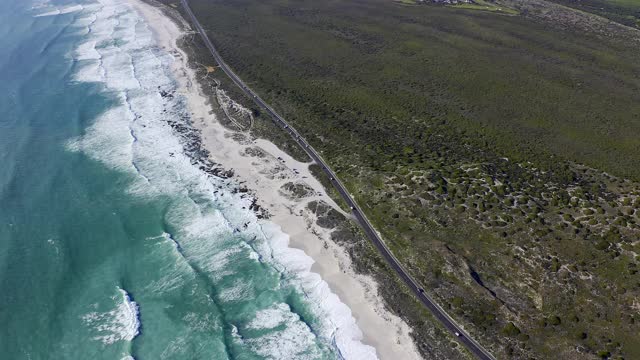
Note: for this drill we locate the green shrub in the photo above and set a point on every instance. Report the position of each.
(511, 330)
(602, 244)
(554, 320)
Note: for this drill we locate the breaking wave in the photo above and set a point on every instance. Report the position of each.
(274, 306)
(120, 324)
(60, 11)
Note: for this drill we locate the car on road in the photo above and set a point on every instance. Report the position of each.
(457, 334)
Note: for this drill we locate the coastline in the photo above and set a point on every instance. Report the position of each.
(263, 168)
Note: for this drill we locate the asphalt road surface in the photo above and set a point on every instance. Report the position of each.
(418, 290)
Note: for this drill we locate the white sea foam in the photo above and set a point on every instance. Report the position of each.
(270, 317)
(120, 324)
(84, 21)
(289, 338)
(217, 232)
(60, 11)
(202, 322)
(238, 291)
(87, 51)
(40, 4)
(341, 326)
(174, 273)
(109, 139)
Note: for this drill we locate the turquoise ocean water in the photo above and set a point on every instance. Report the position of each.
(115, 240)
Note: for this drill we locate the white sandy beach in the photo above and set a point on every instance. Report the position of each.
(264, 175)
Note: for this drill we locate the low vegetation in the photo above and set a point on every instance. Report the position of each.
(625, 12)
(495, 153)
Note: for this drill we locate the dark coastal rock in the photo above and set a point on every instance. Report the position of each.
(191, 139)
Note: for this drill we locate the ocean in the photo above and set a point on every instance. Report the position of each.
(119, 238)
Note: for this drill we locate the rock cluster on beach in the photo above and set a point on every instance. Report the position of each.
(191, 139)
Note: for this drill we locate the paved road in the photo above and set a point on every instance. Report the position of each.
(435, 309)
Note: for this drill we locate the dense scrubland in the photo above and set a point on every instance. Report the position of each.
(496, 151)
(626, 12)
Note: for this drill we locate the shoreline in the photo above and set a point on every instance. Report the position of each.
(263, 168)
